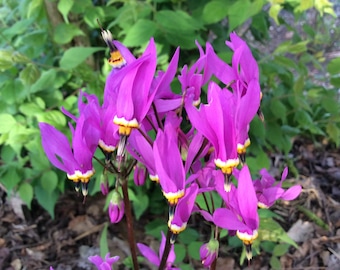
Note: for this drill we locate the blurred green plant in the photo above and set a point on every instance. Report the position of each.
(51, 49)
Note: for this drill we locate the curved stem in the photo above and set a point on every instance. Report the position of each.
(129, 221)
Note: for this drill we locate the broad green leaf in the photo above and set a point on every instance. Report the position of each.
(10, 178)
(333, 66)
(155, 226)
(140, 204)
(103, 244)
(64, 33)
(325, 6)
(214, 11)
(76, 55)
(49, 181)
(26, 193)
(7, 154)
(17, 57)
(180, 252)
(6, 61)
(239, 12)
(275, 262)
(188, 235)
(194, 250)
(333, 131)
(278, 109)
(54, 118)
(46, 200)
(304, 5)
(34, 7)
(140, 33)
(299, 85)
(45, 81)
(7, 122)
(281, 249)
(299, 47)
(29, 75)
(64, 7)
(30, 109)
(92, 15)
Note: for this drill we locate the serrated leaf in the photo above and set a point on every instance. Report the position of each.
(26, 193)
(64, 33)
(45, 81)
(214, 11)
(76, 55)
(29, 74)
(49, 181)
(7, 122)
(64, 7)
(140, 33)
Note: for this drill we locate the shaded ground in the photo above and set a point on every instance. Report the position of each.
(36, 242)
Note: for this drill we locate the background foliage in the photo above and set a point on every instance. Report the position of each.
(51, 49)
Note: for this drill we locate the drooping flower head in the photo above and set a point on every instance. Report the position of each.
(168, 160)
(268, 193)
(241, 215)
(209, 252)
(116, 207)
(155, 258)
(103, 264)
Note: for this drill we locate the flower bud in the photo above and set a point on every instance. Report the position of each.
(116, 207)
(139, 175)
(208, 252)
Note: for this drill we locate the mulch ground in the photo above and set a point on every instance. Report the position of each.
(32, 240)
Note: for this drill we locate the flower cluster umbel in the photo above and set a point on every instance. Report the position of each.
(138, 102)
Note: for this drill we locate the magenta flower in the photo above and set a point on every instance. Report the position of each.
(178, 222)
(209, 252)
(116, 207)
(103, 264)
(155, 258)
(267, 193)
(75, 161)
(216, 122)
(139, 175)
(168, 161)
(241, 216)
(131, 89)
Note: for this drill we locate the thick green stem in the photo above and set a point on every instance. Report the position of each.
(129, 221)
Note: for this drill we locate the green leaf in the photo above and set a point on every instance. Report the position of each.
(45, 81)
(54, 118)
(7, 122)
(238, 12)
(92, 14)
(64, 7)
(64, 33)
(188, 235)
(103, 244)
(34, 7)
(155, 226)
(29, 74)
(275, 263)
(333, 66)
(30, 109)
(6, 61)
(76, 55)
(194, 250)
(10, 178)
(274, 12)
(49, 181)
(214, 11)
(180, 252)
(281, 249)
(140, 33)
(140, 204)
(278, 109)
(46, 200)
(26, 193)
(333, 132)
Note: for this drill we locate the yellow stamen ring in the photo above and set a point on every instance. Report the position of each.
(78, 176)
(125, 126)
(227, 166)
(246, 238)
(173, 197)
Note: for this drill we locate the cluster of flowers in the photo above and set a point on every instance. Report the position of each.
(139, 101)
